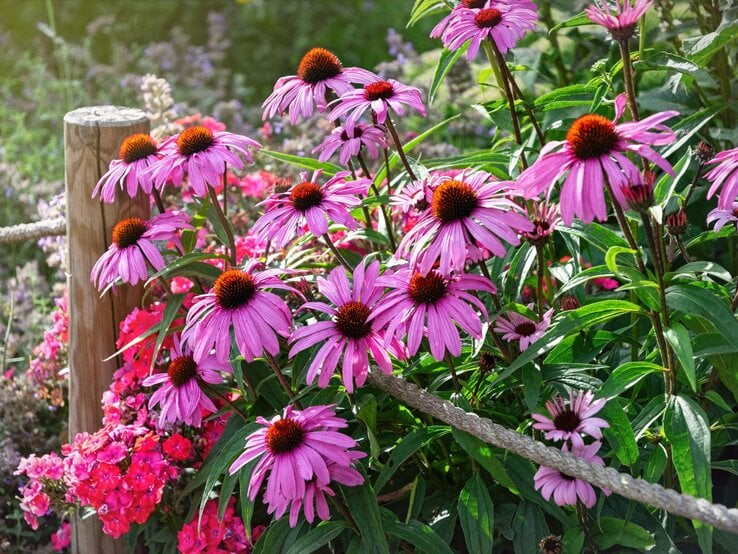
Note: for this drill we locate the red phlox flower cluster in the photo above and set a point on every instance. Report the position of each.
(133, 326)
(120, 471)
(62, 538)
(213, 535)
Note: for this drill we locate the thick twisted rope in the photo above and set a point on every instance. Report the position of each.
(604, 477)
(30, 231)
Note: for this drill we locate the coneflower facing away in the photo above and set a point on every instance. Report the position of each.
(622, 23)
(593, 156)
(319, 72)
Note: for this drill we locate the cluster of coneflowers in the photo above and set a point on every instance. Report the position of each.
(432, 286)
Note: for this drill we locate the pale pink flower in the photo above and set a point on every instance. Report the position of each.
(568, 421)
(515, 326)
(379, 97)
(567, 490)
(722, 217)
(349, 142)
(623, 22)
(724, 178)
(137, 152)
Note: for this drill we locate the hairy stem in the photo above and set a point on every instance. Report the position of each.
(400, 149)
(337, 253)
(628, 79)
(281, 378)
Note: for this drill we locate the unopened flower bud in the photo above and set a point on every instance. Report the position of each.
(676, 222)
(704, 152)
(640, 195)
(568, 302)
(550, 545)
(487, 361)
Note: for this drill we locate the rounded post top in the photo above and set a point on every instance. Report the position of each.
(105, 116)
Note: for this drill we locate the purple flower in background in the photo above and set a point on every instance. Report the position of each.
(565, 489)
(433, 306)
(595, 154)
(295, 451)
(515, 326)
(132, 247)
(351, 332)
(239, 300)
(724, 176)
(202, 156)
(310, 204)
(180, 397)
(350, 141)
(137, 152)
(623, 22)
(379, 97)
(502, 22)
(722, 217)
(469, 212)
(319, 71)
(570, 420)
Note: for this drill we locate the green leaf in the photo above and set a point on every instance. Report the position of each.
(476, 515)
(699, 302)
(170, 312)
(620, 433)
(362, 503)
(446, 61)
(597, 235)
(419, 438)
(574, 21)
(687, 429)
(190, 265)
(422, 537)
(573, 95)
(424, 8)
(303, 162)
(483, 454)
(529, 526)
(321, 535)
(277, 537)
(625, 376)
(678, 337)
(572, 321)
(701, 48)
(615, 531)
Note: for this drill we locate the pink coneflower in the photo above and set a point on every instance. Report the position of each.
(310, 204)
(545, 218)
(565, 489)
(502, 22)
(515, 326)
(432, 305)
(294, 450)
(595, 154)
(724, 176)
(239, 300)
(468, 212)
(132, 247)
(180, 397)
(721, 217)
(377, 96)
(201, 155)
(319, 71)
(315, 493)
(350, 332)
(350, 141)
(623, 22)
(137, 152)
(569, 420)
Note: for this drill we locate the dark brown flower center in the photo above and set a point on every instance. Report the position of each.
(381, 90)
(284, 436)
(453, 200)
(592, 136)
(305, 195)
(136, 147)
(550, 545)
(567, 420)
(525, 329)
(318, 65)
(487, 361)
(357, 133)
(127, 232)
(234, 288)
(473, 4)
(351, 320)
(181, 370)
(488, 18)
(195, 139)
(427, 289)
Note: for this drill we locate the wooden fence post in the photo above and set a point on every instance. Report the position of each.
(92, 138)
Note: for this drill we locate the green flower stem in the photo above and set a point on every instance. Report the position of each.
(158, 200)
(385, 215)
(400, 150)
(452, 369)
(226, 224)
(521, 97)
(497, 61)
(541, 269)
(628, 79)
(282, 379)
(337, 254)
(211, 389)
